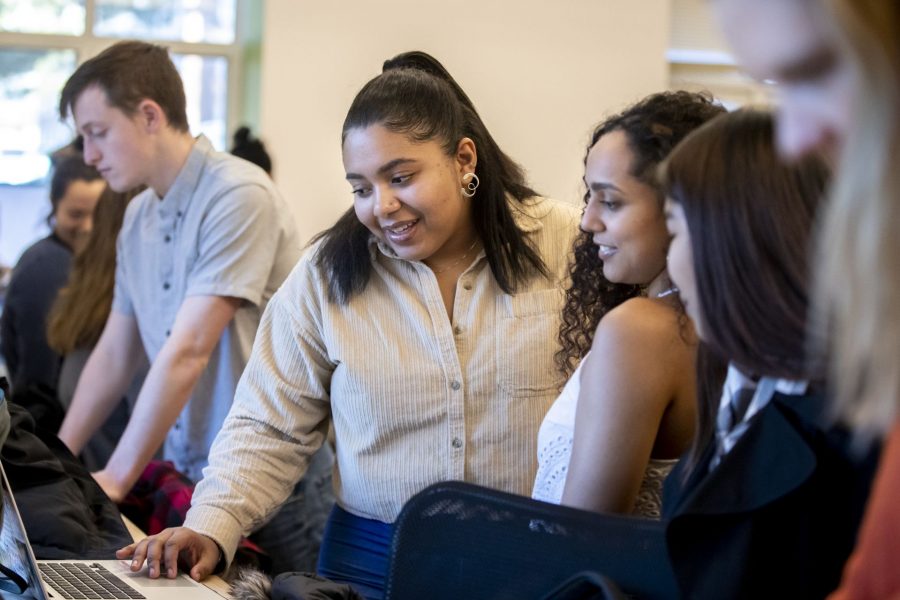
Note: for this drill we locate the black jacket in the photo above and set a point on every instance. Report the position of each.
(778, 517)
(36, 280)
(65, 512)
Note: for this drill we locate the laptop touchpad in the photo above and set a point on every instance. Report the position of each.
(140, 579)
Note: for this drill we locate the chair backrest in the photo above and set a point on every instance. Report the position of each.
(458, 540)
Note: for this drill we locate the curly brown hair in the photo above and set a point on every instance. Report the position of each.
(653, 127)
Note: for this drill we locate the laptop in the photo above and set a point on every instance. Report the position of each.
(22, 574)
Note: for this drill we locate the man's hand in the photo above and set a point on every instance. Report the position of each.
(110, 486)
(197, 553)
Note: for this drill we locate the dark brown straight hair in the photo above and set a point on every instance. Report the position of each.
(415, 95)
(750, 217)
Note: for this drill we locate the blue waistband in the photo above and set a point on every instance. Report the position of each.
(355, 551)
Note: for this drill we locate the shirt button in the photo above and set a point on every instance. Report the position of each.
(455, 385)
(457, 330)
(456, 443)
(168, 332)
(178, 214)
(467, 286)
(168, 238)
(166, 285)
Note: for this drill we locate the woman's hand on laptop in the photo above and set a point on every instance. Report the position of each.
(163, 551)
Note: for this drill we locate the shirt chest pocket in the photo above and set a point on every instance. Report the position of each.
(525, 343)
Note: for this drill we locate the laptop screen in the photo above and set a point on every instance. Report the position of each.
(18, 571)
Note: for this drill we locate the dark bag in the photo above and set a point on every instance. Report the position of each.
(41, 401)
(587, 585)
(309, 586)
(65, 512)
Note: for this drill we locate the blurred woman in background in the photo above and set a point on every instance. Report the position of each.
(42, 270)
(79, 313)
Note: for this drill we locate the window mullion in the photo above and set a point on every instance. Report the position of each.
(90, 9)
(39, 40)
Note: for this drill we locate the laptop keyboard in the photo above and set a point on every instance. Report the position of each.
(82, 580)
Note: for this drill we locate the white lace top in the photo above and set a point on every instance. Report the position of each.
(555, 451)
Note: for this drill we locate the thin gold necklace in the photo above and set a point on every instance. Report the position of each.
(457, 261)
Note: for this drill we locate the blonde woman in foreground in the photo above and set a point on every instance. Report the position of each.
(838, 67)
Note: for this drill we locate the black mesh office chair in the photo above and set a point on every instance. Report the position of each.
(458, 540)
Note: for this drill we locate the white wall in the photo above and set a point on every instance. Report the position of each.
(540, 72)
(694, 28)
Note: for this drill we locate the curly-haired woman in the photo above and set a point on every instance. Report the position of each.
(627, 412)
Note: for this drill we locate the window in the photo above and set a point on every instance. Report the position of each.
(209, 21)
(41, 43)
(65, 17)
(30, 80)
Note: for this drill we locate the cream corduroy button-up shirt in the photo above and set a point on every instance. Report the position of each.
(415, 397)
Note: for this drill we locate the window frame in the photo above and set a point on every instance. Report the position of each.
(88, 45)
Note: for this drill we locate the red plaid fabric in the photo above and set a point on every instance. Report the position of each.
(160, 498)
